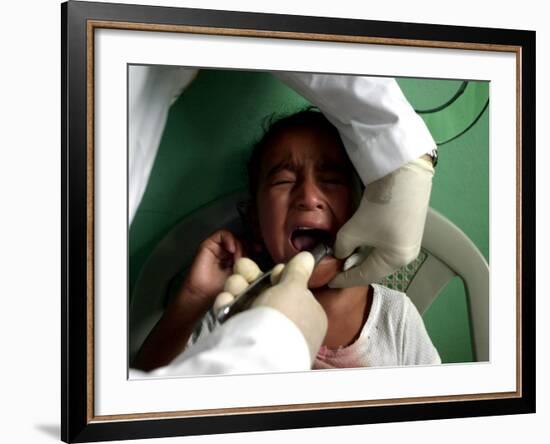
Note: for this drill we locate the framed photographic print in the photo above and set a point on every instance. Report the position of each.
(162, 108)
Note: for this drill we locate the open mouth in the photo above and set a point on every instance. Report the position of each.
(305, 239)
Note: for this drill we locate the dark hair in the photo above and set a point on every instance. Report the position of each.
(275, 125)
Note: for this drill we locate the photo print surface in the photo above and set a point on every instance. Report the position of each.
(200, 183)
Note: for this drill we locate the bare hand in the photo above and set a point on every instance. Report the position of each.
(212, 265)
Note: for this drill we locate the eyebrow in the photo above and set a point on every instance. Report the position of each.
(329, 167)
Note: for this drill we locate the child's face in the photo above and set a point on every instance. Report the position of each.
(304, 195)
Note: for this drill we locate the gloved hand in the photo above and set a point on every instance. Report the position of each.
(289, 295)
(388, 225)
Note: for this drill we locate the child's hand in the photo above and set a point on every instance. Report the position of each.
(212, 265)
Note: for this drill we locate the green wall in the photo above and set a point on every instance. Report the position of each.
(221, 114)
(460, 192)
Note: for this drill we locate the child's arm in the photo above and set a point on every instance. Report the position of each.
(211, 267)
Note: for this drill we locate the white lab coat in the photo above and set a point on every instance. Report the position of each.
(381, 133)
(152, 90)
(258, 340)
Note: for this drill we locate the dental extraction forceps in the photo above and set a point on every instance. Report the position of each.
(244, 300)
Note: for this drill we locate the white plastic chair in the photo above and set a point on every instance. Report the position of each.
(449, 253)
(446, 252)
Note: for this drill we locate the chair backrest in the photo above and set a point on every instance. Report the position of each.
(446, 252)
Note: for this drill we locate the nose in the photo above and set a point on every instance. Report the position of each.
(309, 196)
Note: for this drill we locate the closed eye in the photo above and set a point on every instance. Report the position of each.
(282, 182)
(283, 178)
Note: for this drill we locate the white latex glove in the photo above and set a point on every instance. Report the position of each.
(152, 90)
(390, 221)
(289, 295)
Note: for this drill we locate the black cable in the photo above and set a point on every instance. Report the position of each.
(467, 128)
(458, 93)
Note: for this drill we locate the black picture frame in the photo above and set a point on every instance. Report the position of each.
(78, 423)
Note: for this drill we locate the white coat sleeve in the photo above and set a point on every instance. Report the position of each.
(379, 128)
(152, 90)
(258, 340)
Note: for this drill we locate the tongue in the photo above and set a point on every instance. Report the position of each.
(305, 242)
